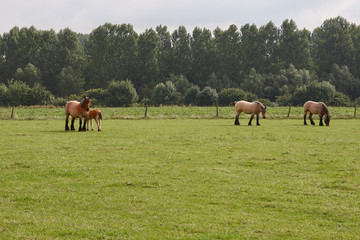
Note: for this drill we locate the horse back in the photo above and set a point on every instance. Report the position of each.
(74, 109)
(248, 107)
(314, 107)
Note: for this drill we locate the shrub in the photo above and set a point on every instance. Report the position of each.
(191, 95)
(228, 96)
(340, 100)
(121, 94)
(207, 97)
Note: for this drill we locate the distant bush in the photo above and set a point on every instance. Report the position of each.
(191, 95)
(340, 100)
(207, 97)
(121, 94)
(228, 96)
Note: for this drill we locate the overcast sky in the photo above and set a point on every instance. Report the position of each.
(83, 16)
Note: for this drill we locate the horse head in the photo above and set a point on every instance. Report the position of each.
(86, 102)
(263, 111)
(327, 120)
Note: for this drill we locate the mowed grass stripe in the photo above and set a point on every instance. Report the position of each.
(180, 179)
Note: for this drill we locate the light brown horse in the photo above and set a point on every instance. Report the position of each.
(316, 108)
(77, 110)
(253, 108)
(94, 114)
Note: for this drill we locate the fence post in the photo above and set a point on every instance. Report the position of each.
(217, 109)
(146, 111)
(288, 115)
(12, 113)
(355, 110)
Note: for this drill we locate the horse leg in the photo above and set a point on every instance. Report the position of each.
(84, 126)
(99, 124)
(87, 125)
(311, 120)
(91, 121)
(72, 124)
(237, 119)
(305, 114)
(321, 121)
(80, 124)
(67, 122)
(251, 118)
(257, 120)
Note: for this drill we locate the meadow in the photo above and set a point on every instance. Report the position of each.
(181, 177)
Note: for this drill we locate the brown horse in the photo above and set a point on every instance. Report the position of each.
(77, 110)
(94, 114)
(249, 108)
(317, 108)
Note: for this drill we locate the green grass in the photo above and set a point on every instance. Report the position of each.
(180, 179)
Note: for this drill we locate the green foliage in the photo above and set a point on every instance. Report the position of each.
(17, 93)
(316, 91)
(340, 100)
(98, 96)
(268, 61)
(121, 94)
(3, 94)
(191, 95)
(207, 97)
(68, 82)
(228, 96)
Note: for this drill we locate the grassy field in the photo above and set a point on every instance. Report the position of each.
(180, 179)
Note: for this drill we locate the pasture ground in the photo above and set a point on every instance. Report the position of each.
(180, 179)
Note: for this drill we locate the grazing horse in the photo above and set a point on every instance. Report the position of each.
(77, 110)
(249, 108)
(94, 114)
(318, 108)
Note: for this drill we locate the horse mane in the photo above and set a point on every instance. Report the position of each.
(325, 109)
(82, 102)
(261, 105)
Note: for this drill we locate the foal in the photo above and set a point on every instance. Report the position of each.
(94, 114)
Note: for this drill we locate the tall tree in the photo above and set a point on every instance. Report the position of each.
(149, 42)
(332, 43)
(228, 55)
(48, 60)
(182, 54)
(251, 49)
(294, 47)
(269, 44)
(165, 53)
(202, 50)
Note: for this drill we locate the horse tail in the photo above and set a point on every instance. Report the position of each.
(100, 116)
(235, 102)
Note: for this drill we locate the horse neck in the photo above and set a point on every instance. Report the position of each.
(326, 110)
(261, 105)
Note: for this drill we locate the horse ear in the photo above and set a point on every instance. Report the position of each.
(89, 96)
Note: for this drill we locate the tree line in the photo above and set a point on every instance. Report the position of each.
(119, 67)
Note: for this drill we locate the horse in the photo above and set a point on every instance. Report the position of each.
(317, 108)
(77, 110)
(94, 114)
(253, 108)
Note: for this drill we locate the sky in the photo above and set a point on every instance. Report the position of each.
(83, 16)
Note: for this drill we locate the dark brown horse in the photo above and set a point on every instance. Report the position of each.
(317, 108)
(77, 110)
(253, 108)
